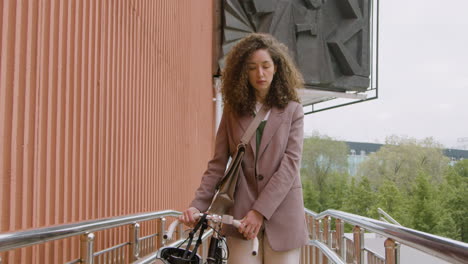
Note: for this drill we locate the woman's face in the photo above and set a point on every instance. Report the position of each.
(261, 70)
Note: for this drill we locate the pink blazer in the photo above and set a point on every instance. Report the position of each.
(276, 190)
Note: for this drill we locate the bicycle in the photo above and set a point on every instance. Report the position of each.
(177, 255)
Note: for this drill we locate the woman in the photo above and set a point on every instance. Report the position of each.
(268, 197)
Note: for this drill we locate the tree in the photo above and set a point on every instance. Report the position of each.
(424, 206)
(417, 186)
(454, 193)
(324, 172)
(409, 179)
(310, 195)
(336, 191)
(393, 202)
(321, 156)
(360, 198)
(461, 168)
(401, 158)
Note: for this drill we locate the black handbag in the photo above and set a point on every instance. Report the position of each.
(226, 187)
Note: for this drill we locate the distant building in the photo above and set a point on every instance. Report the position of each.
(359, 152)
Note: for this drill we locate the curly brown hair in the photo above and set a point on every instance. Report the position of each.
(238, 93)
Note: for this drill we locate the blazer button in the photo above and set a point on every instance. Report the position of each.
(260, 177)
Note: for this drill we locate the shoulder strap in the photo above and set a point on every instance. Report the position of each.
(254, 125)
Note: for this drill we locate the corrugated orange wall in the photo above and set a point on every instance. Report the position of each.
(105, 109)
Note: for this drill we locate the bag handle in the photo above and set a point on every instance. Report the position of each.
(254, 125)
(244, 141)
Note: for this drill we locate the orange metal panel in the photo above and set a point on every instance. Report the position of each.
(105, 109)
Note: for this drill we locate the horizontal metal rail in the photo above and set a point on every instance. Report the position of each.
(70, 262)
(386, 217)
(148, 237)
(441, 247)
(330, 254)
(375, 254)
(21, 239)
(107, 250)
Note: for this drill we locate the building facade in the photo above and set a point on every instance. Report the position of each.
(106, 109)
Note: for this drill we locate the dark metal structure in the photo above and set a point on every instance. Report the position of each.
(331, 41)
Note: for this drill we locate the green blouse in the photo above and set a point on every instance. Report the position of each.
(259, 134)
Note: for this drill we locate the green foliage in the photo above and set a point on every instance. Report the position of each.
(393, 202)
(336, 191)
(324, 172)
(447, 227)
(410, 180)
(361, 199)
(310, 195)
(401, 159)
(424, 206)
(454, 193)
(322, 155)
(461, 168)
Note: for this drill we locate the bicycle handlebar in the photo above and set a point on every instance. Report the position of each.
(225, 219)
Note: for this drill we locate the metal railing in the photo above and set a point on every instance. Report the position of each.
(386, 217)
(122, 253)
(325, 246)
(354, 251)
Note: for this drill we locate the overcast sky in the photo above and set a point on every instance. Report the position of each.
(423, 78)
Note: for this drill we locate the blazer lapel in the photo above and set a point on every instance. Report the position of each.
(274, 121)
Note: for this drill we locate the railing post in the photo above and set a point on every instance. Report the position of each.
(87, 248)
(340, 238)
(326, 231)
(397, 252)
(134, 241)
(180, 231)
(310, 255)
(319, 238)
(313, 253)
(302, 258)
(161, 231)
(326, 236)
(392, 251)
(313, 236)
(312, 220)
(318, 224)
(358, 235)
(308, 259)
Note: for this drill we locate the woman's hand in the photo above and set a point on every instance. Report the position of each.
(187, 216)
(251, 224)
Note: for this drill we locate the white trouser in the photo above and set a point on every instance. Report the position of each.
(240, 252)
